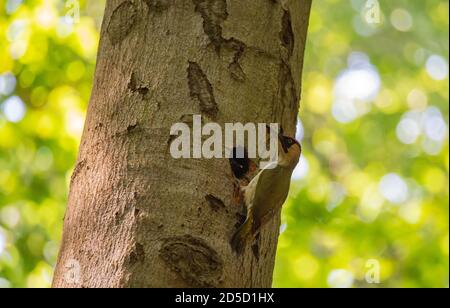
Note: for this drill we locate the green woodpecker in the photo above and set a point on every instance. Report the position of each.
(267, 191)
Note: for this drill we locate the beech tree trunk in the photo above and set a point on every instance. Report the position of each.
(137, 217)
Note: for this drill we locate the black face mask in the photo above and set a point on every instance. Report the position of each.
(286, 142)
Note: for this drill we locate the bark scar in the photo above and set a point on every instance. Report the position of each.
(193, 260)
(122, 22)
(78, 168)
(213, 12)
(137, 254)
(287, 87)
(158, 5)
(214, 202)
(235, 68)
(287, 34)
(201, 89)
(135, 85)
(287, 92)
(132, 127)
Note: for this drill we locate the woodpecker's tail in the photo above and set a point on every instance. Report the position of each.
(241, 236)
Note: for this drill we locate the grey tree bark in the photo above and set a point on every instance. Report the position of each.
(136, 217)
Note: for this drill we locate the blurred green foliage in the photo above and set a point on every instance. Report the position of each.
(372, 188)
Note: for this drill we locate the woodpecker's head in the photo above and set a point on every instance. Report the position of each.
(290, 150)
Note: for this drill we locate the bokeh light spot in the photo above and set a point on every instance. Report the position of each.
(402, 20)
(393, 188)
(417, 99)
(408, 131)
(411, 212)
(437, 67)
(12, 6)
(301, 170)
(14, 109)
(10, 216)
(340, 278)
(2, 241)
(306, 267)
(355, 88)
(7, 84)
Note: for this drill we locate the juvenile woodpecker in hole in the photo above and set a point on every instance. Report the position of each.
(267, 191)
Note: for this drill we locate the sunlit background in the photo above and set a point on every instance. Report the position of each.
(371, 191)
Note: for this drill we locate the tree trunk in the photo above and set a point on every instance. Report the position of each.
(137, 217)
